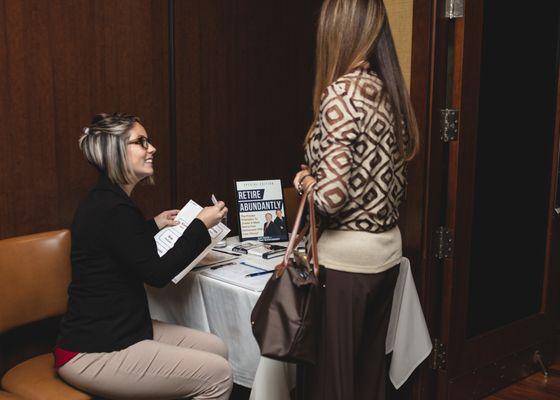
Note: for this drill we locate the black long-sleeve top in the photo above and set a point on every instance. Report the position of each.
(113, 255)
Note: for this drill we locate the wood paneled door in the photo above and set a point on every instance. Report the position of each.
(496, 64)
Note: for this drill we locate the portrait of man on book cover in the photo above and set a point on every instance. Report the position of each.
(280, 222)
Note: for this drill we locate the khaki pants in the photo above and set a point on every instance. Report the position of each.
(179, 363)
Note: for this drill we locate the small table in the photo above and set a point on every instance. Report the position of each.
(207, 304)
(210, 305)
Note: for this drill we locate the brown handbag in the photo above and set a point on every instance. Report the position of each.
(286, 317)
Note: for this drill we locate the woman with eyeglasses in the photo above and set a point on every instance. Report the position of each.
(108, 345)
(357, 147)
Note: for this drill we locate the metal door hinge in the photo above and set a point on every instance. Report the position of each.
(454, 9)
(439, 355)
(449, 124)
(444, 243)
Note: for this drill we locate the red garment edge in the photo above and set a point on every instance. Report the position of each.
(62, 356)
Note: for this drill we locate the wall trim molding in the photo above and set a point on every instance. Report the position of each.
(172, 107)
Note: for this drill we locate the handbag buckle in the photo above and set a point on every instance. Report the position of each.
(302, 260)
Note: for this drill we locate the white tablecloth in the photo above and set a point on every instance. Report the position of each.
(210, 305)
(407, 337)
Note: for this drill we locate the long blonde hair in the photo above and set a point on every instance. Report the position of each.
(349, 34)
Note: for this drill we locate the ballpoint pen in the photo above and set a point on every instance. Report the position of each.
(222, 265)
(227, 252)
(222, 243)
(252, 266)
(259, 273)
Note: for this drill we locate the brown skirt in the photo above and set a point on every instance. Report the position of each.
(355, 318)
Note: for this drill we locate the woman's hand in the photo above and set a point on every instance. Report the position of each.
(166, 218)
(211, 216)
(303, 179)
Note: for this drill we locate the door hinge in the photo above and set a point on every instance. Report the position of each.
(454, 9)
(449, 124)
(439, 355)
(444, 243)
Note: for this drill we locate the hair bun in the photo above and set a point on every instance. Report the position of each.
(98, 117)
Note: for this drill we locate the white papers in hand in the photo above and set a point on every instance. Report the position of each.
(166, 238)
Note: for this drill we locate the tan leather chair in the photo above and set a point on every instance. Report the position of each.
(9, 396)
(35, 271)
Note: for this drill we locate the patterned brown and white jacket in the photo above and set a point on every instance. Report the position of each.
(353, 155)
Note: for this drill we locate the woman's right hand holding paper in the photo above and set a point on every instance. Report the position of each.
(212, 215)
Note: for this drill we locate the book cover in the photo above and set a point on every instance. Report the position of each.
(260, 206)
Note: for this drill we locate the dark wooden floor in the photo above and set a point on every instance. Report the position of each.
(534, 387)
(240, 393)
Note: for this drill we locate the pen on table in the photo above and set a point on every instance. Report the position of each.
(259, 273)
(252, 266)
(226, 252)
(222, 265)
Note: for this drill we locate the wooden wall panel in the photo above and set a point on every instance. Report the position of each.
(400, 17)
(244, 74)
(400, 14)
(408, 17)
(61, 62)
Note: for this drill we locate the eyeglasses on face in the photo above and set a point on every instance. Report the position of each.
(143, 141)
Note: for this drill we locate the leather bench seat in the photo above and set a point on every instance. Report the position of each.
(35, 272)
(36, 379)
(9, 396)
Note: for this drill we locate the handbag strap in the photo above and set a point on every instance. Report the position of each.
(296, 237)
(313, 229)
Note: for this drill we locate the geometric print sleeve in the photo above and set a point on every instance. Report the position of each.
(338, 129)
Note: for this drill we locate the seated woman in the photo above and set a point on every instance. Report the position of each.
(108, 344)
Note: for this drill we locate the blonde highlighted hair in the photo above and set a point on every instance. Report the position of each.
(350, 34)
(104, 144)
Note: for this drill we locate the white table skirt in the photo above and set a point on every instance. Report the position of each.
(207, 304)
(407, 337)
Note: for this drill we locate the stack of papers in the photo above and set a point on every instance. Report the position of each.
(236, 274)
(260, 249)
(166, 238)
(215, 258)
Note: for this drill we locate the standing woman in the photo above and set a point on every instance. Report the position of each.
(363, 134)
(108, 344)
